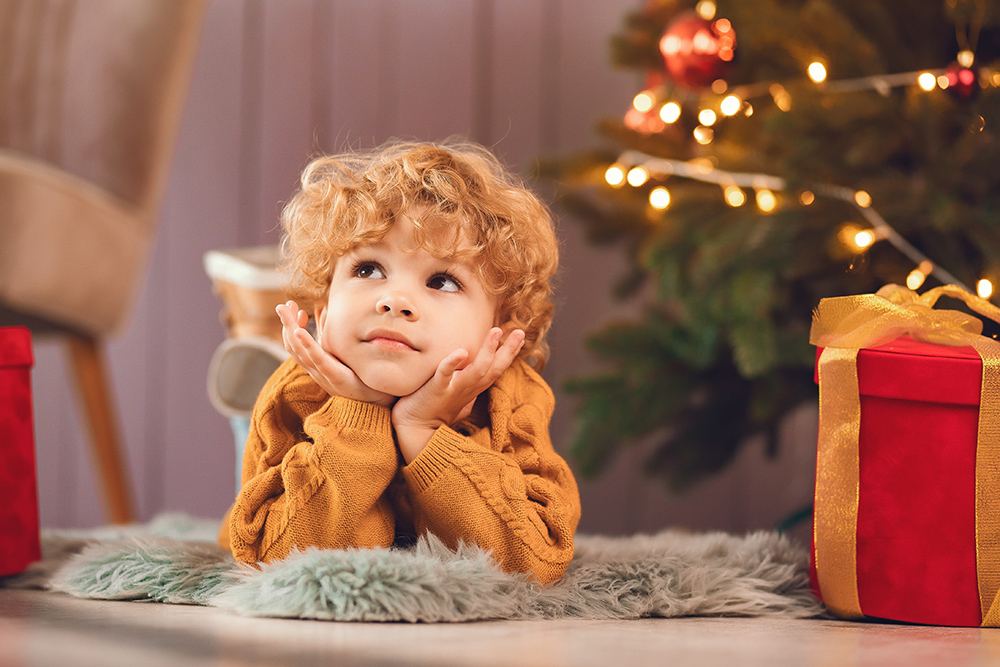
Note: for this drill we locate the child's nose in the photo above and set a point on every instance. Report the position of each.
(397, 303)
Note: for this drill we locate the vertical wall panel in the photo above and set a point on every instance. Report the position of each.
(136, 383)
(588, 87)
(50, 451)
(357, 52)
(251, 89)
(286, 131)
(434, 83)
(202, 212)
(65, 470)
(577, 86)
(514, 118)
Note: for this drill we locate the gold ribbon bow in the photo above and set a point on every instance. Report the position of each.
(843, 326)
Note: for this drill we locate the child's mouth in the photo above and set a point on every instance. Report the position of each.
(390, 340)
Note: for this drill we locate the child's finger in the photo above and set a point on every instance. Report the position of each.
(313, 357)
(294, 345)
(504, 356)
(294, 335)
(514, 343)
(288, 316)
(318, 358)
(489, 362)
(450, 364)
(487, 350)
(307, 342)
(287, 329)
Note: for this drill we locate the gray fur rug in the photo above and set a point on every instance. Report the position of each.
(174, 559)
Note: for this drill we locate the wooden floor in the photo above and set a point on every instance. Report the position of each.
(39, 629)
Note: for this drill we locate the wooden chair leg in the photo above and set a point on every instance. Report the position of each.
(94, 396)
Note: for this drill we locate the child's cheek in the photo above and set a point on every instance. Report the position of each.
(328, 340)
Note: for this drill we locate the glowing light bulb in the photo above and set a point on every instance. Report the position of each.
(615, 175)
(730, 105)
(659, 198)
(855, 237)
(915, 279)
(707, 117)
(984, 288)
(719, 86)
(817, 72)
(637, 176)
(862, 199)
(703, 135)
(942, 82)
(766, 201)
(782, 99)
(927, 81)
(965, 58)
(806, 197)
(670, 112)
(748, 111)
(706, 9)
(734, 196)
(643, 101)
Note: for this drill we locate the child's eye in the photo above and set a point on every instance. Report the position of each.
(367, 270)
(445, 283)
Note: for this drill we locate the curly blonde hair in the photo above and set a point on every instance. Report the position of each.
(464, 205)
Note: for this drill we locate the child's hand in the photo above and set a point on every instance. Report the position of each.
(332, 375)
(449, 395)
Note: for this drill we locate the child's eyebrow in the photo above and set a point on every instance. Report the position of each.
(362, 247)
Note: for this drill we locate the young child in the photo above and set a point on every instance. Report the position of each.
(418, 407)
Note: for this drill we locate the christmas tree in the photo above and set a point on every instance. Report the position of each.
(782, 151)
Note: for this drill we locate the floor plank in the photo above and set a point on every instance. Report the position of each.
(40, 629)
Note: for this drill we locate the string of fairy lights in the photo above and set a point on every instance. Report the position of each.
(652, 111)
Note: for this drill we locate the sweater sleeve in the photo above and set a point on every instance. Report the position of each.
(503, 488)
(315, 472)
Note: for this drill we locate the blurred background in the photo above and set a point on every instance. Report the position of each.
(277, 81)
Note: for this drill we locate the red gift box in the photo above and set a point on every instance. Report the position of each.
(916, 524)
(19, 544)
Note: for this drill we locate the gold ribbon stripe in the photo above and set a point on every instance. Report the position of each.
(835, 514)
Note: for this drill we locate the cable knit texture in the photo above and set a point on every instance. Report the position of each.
(325, 471)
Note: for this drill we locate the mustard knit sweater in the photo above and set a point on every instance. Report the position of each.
(321, 470)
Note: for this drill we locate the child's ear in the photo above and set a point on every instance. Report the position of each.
(320, 314)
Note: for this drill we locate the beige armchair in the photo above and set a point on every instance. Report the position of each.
(91, 97)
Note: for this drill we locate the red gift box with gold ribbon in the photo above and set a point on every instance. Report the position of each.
(19, 544)
(906, 522)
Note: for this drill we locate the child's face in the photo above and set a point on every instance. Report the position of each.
(393, 314)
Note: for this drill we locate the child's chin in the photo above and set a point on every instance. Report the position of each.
(393, 387)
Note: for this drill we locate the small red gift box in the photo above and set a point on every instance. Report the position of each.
(916, 504)
(19, 544)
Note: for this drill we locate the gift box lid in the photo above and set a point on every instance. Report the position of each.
(906, 369)
(15, 347)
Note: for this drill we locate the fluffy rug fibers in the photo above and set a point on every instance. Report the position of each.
(175, 560)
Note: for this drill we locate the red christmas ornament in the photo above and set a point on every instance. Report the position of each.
(961, 82)
(697, 51)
